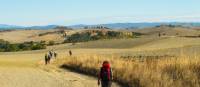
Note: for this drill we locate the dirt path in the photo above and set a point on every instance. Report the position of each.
(29, 77)
(23, 70)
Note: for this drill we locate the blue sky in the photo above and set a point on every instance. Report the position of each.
(69, 12)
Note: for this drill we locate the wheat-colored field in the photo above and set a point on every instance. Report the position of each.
(167, 72)
(27, 69)
(148, 61)
(19, 36)
(166, 62)
(168, 31)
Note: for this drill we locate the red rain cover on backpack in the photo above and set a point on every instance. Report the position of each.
(105, 72)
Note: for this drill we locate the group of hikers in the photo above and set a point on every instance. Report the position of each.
(105, 75)
(52, 54)
(49, 55)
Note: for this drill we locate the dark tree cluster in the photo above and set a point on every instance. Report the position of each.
(97, 35)
(5, 46)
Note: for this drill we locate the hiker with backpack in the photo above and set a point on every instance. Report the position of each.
(46, 59)
(50, 54)
(105, 75)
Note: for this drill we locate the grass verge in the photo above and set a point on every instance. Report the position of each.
(165, 72)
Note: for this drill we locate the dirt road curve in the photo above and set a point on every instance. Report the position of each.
(22, 70)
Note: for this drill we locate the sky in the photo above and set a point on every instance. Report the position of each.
(71, 12)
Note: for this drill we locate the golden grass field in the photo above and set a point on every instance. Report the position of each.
(27, 69)
(20, 36)
(149, 61)
(145, 65)
(168, 72)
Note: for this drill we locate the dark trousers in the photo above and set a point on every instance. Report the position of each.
(46, 61)
(106, 83)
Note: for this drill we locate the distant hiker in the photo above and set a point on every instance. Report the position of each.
(50, 53)
(49, 58)
(46, 59)
(55, 55)
(105, 75)
(70, 52)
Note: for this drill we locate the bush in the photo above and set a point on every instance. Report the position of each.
(12, 47)
(37, 47)
(113, 34)
(79, 37)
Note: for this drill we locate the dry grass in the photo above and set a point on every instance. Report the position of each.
(167, 72)
(27, 69)
(116, 43)
(139, 44)
(29, 35)
(173, 42)
(169, 31)
(183, 71)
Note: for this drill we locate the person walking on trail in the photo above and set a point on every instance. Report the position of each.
(49, 58)
(70, 52)
(55, 55)
(50, 54)
(105, 75)
(46, 59)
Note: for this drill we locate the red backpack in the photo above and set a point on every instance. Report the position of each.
(105, 72)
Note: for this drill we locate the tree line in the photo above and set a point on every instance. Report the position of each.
(87, 36)
(6, 46)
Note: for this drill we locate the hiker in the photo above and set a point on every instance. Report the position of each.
(105, 75)
(50, 53)
(46, 59)
(49, 58)
(70, 52)
(55, 55)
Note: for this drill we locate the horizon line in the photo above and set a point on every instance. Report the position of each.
(98, 23)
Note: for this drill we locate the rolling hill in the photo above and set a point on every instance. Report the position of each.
(169, 31)
(19, 36)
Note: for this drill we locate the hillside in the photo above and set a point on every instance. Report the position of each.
(54, 35)
(169, 31)
(19, 36)
(146, 55)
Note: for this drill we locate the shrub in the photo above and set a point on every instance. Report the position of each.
(36, 47)
(79, 37)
